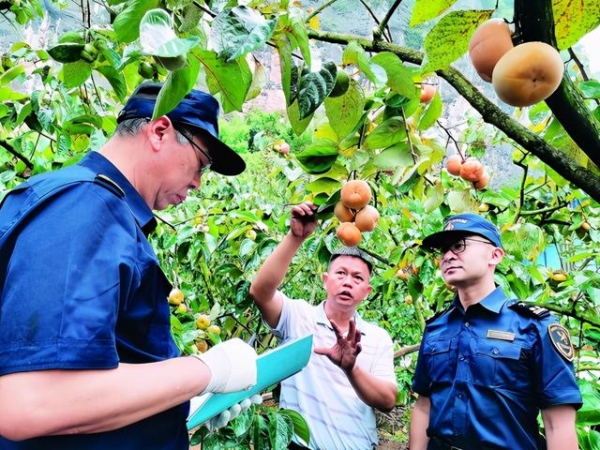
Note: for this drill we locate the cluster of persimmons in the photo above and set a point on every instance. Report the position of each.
(522, 74)
(354, 212)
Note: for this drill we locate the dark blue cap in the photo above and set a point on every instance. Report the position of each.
(199, 111)
(463, 225)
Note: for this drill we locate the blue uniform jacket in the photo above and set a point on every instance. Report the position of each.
(81, 288)
(488, 372)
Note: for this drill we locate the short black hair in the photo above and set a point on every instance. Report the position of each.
(355, 252)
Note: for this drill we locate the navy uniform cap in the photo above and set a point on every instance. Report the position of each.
(463, 225)
(199, 111)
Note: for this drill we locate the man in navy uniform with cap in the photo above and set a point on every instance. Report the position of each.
(87, 360)
(488, 364)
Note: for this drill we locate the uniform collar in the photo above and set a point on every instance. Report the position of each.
(323, 320)
(142, 213)
(492, 302)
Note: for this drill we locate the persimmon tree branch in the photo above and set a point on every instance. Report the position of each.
(582, 177)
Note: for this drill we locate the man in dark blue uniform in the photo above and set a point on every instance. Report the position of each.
(87, 360)
(488, 365)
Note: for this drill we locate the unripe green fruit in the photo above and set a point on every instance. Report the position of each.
(145, 70)
(91, 49)
(87, 56)
(342, 83)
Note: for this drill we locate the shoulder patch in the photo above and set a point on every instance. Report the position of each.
(439, 314)
(529, 310)
(561, 339)
(109, 184)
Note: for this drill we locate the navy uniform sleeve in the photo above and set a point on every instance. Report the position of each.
(60, 301)
(422, 378)
(554, 366)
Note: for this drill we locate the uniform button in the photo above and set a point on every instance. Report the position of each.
(461, 357)
(467, 324)
(495, 351)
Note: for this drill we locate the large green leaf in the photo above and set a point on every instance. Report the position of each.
(344, 112)
(127, 23)
(356, 55)
(231, 79)
(239, 31)
(295, 29)
(67, 52)
(115, 78)
(394, 157)
(573, 20)
(432, 113)
(318, 157)
(74, 74)
(448, 40)
(314, 87)
(300, 426)
(399, 77)
(425, 10)
(387, 133)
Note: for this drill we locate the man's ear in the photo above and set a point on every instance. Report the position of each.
(158, 130)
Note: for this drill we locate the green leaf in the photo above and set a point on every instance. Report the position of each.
(127, 23)
(297, 124)
(239, 31)
(296, 31)
(394, 157)
(387, 133)
(284, 51)
(399, 77)
(12, 74)
(448, 40)
(314, 87)
(66, 53)
(344, 112)
(434, 196)
(318, 157)
(323, 185)
(590, 89)
(425, 10)
(177, 85)
(116, 80)
(300, 426)
(432, 113)
(355, 54)
(573, 20)
(230, 79)
(76, 73)
(461, 201)
(7, 94)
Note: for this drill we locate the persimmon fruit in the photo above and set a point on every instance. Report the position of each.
(343, 213)
(471, 170)
(427, 92)
(355, 194)
(527, 74)
(349, 234)
(490, 41)
(175, 297)
(454, 164)
(483, 181)
(366, 219)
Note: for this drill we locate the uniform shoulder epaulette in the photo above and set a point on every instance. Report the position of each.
(109, 184)
(528, 310)
(440, 314)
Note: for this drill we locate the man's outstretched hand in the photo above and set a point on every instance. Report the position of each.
(343, 354)
(303, 221)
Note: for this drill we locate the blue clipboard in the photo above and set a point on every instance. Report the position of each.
(273, 366)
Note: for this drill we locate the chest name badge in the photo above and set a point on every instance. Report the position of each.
(561, 339)
(502, 335)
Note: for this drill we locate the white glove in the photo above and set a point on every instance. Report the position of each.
(228, 415)
(232, 365)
